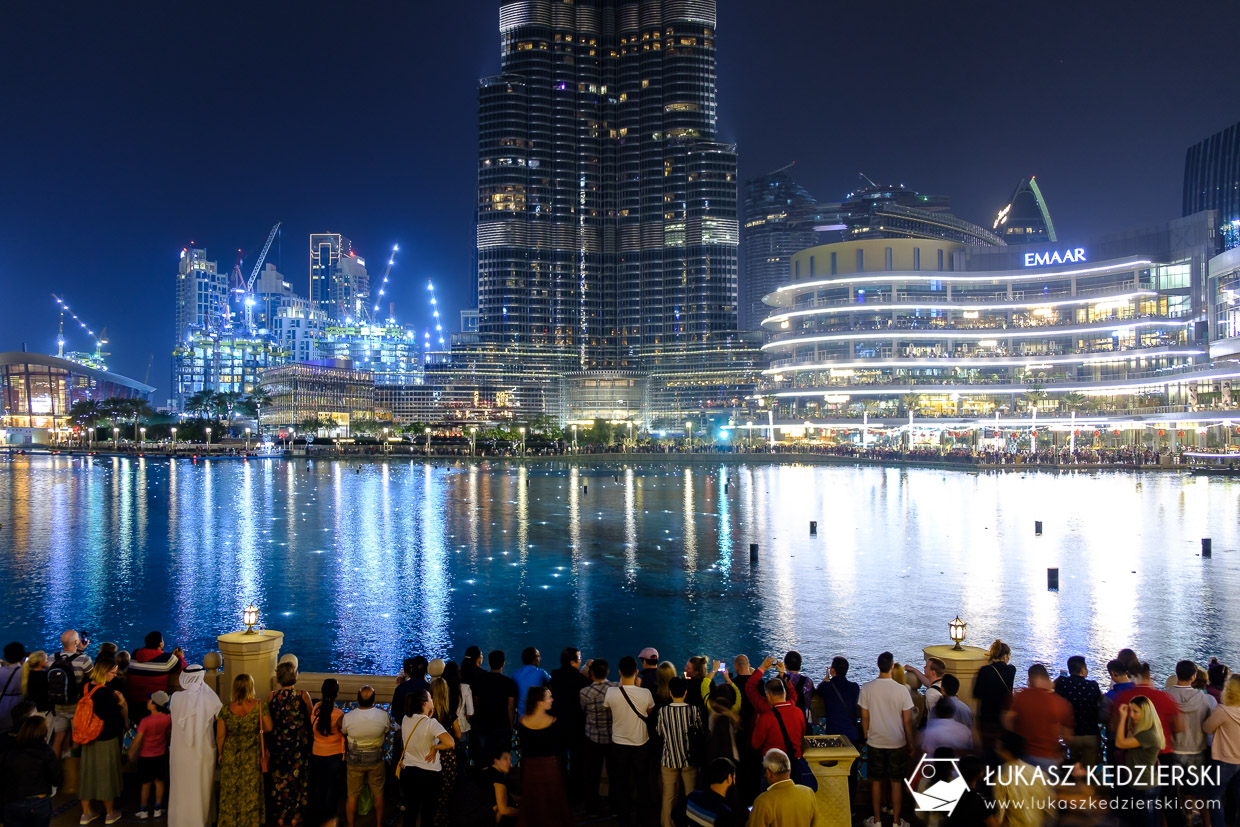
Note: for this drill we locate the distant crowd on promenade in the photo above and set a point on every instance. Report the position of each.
(481, 741)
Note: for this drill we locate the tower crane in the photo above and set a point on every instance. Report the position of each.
(386, 272)
(100, 339)
(249, 285)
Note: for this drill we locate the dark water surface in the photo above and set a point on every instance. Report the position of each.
(361, 569)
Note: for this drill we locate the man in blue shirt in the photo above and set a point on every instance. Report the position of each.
(840, 698)
(529, 675)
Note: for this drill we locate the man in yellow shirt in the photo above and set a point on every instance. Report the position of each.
(784, 804)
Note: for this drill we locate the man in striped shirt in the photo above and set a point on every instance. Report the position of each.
(678, 724)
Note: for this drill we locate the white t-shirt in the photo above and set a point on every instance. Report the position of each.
(886, 701)
(365, 730)
(420, 742)
(626, 728)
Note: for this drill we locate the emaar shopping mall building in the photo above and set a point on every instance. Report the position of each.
(1131, 333)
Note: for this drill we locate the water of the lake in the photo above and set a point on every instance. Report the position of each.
(362, 564)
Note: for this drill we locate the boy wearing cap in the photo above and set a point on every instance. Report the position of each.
(649, 674)
(149, 751)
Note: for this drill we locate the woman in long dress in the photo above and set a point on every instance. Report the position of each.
(238, 741)
(290, 748)
(545, 800)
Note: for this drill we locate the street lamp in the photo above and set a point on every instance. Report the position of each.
(631, 443)
(574, 439)
(247, 440)
(749, 432)
(473, 441)
(174, 440)
(208, 440)
(428, 440)
(689, 434)
(522, 430)
(142, 441)
(249, 619)
(956, 630)
(385, 440)
(116, 432)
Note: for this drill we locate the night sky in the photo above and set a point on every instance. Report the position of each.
(132, 129)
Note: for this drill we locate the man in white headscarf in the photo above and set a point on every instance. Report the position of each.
(192, 751)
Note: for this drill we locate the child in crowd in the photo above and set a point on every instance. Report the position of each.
(149, 751)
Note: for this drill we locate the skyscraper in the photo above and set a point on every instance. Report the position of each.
(1212, 180)
(607, 221)
(339, 283)
(1025, 219)
(201, 294)
(781, 219)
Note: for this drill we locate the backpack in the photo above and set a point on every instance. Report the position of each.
(86, 724)
(805, 690)
(62, 682)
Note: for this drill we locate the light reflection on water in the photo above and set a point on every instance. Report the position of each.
(361, 564)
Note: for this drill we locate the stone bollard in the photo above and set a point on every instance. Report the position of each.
(830, 758)
(255, 654)
(1207, 547)
(1052, 580)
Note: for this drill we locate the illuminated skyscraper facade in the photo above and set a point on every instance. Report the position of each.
(339, 283)
(1212, 181)
(607, 215)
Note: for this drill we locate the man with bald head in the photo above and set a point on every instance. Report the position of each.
(72, 664)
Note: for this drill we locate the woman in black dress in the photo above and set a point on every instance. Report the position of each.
(545, 801)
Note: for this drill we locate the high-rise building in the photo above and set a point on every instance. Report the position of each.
(607, 221)
(1025, 219)
(339, 283)
(1212, 181)
(781, 218)
(201, 294)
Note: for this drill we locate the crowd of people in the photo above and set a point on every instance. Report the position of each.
(476, 742)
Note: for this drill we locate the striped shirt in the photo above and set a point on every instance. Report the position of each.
(598, 716)
(676, 723)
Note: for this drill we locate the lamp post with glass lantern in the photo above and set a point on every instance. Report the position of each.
(247, 440)
(956, 630)
(141, 438)
(208, 440)
(116, 432)
(574, 439)
(174, 440)
(689, 435)
(473, 441)
(632, 444)
(522, 430)
(428, 441)
(249, 619)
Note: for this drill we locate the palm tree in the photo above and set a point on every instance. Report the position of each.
(88, 413)
(1074, 401)
(226, 403)
(1034, 395)
(201, 403)
(255, 401)
(911, 401)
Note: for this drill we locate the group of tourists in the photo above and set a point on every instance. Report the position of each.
(648, 741)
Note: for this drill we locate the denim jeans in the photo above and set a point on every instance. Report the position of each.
(28, 812)
(1227, 775)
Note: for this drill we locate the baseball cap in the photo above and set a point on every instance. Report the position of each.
(160, 698)
(649, 653)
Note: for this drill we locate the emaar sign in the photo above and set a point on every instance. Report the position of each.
(1057, 257)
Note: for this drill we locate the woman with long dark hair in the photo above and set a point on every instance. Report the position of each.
(460, 698)
(545, 801)
(445, 714)
(326, 755)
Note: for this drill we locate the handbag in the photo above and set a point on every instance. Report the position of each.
(400, 762)
(801, 773)
(264, 760)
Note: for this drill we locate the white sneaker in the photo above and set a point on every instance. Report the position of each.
(159, 812)
(143, 814)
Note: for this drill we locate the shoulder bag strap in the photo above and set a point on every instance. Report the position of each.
(630, 703)
(9, 682)
(262, 742)
(410, 738)
(779, 719)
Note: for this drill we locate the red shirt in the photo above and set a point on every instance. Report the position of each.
(766, 732)
(1166, 707)
(1040, 715)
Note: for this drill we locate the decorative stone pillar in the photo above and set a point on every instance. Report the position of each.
(830, 758)
(255, 654)
(964, 663)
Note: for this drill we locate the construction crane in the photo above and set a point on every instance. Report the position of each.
(100, 340)
(387, 272)
(249, 285)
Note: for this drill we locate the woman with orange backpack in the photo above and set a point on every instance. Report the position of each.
(99, 722)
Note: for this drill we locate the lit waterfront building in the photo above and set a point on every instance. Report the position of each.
(390, 351)
(1026, 219)
(941, 329)
(891, 211)
(329, 391)
(37, 391)
(228, 362)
